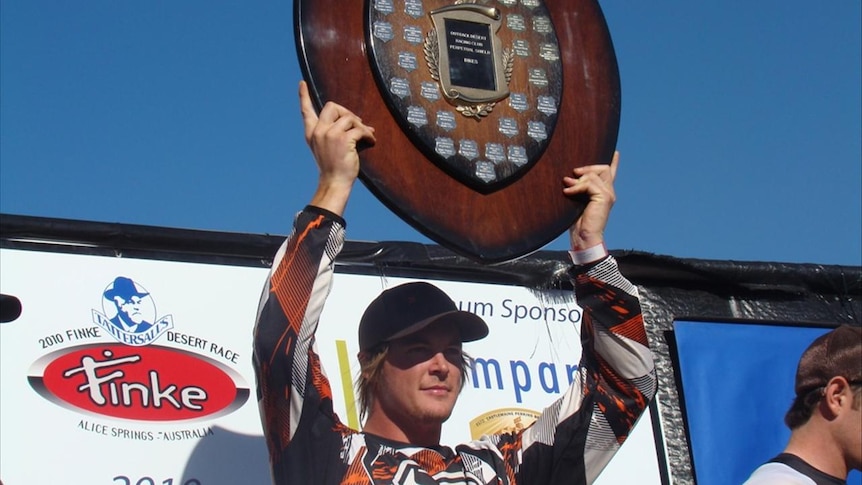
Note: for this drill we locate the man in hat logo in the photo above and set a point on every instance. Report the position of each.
(128, 299)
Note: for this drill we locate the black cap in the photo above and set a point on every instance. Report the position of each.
(410, 307)
(10, 308)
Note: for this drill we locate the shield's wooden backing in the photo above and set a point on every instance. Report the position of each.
(502, 225)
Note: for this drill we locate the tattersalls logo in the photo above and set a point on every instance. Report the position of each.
(133, 378)
(129, 314)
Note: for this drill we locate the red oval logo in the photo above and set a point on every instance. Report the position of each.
(149, 383)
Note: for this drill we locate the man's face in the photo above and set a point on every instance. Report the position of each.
(852, 435)
(421, 377)
(131, 307)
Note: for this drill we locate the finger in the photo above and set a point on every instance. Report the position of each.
(309, 114)
(353, 126)
(593, 184)
(589, 182)
(584, 174)
(366, 133)
(598, 169)
(333, 112)
(336, 121)
(615, 163)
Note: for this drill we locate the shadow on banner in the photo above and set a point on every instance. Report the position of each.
(228, 458)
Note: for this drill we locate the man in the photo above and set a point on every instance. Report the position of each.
(126, 297)
(825, 419)
(413, 366)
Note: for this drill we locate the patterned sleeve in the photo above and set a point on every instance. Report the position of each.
(290, 381)
(575, 438)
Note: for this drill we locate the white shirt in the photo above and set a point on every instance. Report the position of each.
(777, 474)
(788, 469)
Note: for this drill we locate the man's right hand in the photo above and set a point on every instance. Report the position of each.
(333, 136)
(597, 182)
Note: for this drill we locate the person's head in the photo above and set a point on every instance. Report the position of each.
(126, 296)
(10, 308)
(412, 363)
(829, 389)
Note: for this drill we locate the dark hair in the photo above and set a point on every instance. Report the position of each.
(803, 406)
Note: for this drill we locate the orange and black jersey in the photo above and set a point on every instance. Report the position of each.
(571, 442)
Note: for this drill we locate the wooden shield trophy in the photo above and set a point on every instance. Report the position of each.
(480, 109)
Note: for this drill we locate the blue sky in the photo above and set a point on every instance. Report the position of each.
(740, 132)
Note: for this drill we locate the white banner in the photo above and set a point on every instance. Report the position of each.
(138, 372)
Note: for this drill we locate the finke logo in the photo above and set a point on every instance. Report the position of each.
(151, 383)
(129, 314)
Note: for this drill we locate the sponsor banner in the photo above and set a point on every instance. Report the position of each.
(126, 371)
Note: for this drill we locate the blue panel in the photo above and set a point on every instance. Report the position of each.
(737, 383)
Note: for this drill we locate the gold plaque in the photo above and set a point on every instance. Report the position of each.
(502, 421)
